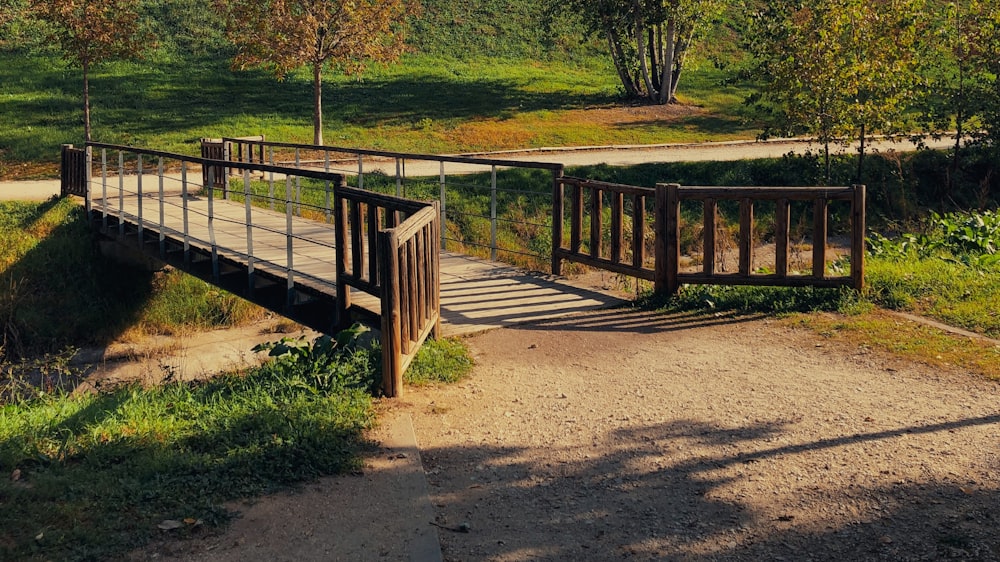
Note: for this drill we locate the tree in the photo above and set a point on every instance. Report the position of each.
(648, 40)
(961, 63)
(90, 32)
(835, 69)
(285, 35)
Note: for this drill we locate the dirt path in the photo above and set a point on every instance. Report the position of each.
(626, 435)
(636, 436)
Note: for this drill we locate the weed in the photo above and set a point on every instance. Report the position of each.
(442, 360)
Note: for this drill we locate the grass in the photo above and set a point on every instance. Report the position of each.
(51, 268)
(439, 361)
(425, 103)
(879, 329)
(96, 474)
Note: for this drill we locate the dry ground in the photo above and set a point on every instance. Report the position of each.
(628, 435)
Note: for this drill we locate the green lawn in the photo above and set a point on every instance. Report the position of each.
(422, 104)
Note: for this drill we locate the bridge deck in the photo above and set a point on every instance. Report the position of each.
(476, 295)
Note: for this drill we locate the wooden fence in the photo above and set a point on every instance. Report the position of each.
(617, 240)
(75, 171)
(388, 247)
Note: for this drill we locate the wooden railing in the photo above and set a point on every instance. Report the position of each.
(396, 258)
(617, 240)
(670, 278)
(819, 197)
(363, 166)
(75, 171)
(624, 254)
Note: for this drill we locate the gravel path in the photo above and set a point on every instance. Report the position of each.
(631, 435)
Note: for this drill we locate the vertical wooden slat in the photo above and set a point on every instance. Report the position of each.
(617, 226)
(419, 267)
(357, 240)
(413, 288)
(596, 218)
(558, 215)
(392, 360)
(746, 236)
(405, 295)
(374, 222)
(858, 237)
(428, 277)
(576, 224)
(638, 231)
(819, 237)
(781, 234)
(708, 255)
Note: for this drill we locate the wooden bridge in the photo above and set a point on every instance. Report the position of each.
(293, 236)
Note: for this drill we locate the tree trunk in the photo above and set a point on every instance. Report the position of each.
(614, 42)
(86, 100)
(826, 159)
(667, 80)
(318, 103)
(640, 44)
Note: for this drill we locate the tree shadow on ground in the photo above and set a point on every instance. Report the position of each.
(134, 102)
(666, 492)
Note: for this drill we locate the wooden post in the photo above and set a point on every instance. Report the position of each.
(781, 234)
(437, 227)
(558, 212)
(667, 226)
(819, 237)
(858, 230)
(340, 222)
(746, 235)
(392, 357)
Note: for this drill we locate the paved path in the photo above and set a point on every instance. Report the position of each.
(570, 156)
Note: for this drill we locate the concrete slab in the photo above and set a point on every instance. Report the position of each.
(39, 190)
